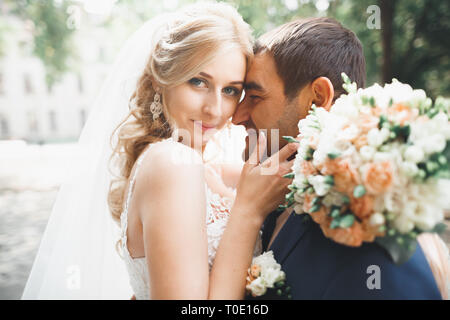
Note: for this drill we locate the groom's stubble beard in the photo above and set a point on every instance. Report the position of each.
(286, 125)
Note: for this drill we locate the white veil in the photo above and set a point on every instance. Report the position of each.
(77, 257)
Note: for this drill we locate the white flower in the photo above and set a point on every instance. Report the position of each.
(333, 198)
(320, 186)
(414, 154)
(367, 153)
(376, 219)
(435, 143)
(403, 224)
(409, 169)
(376, 137)
(257, 287)
(298, 208)
(269, 275)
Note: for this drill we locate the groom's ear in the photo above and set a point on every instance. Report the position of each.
(322, 91)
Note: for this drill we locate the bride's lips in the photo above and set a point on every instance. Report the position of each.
(205, 127)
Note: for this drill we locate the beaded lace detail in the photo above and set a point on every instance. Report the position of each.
(217, 213)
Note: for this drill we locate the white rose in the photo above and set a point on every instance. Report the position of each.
(271, 276)
(376, 219)
(409, 169)
(414, 154)
(320, 186)
(257, 287)
(333, 198)
(374, 138)
(367, 153)
(298, 208)
(435, 143)
(403, 224)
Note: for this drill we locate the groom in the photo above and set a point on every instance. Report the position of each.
(296, 65)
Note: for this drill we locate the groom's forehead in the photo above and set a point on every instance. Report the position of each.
(262, 73)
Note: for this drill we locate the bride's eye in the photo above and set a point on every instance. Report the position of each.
(231, 91)
(196, 82)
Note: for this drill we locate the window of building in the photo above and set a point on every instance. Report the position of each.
(53, 122)
(82, 117)
(4, 127)
(32, 122)
(27, 84)
(80, 84)
(2, 84)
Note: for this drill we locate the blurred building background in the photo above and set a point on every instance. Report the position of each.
(55, 54)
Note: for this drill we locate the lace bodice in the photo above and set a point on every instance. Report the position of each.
(217, 214)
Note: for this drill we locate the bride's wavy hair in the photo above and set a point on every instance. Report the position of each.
(182, 46)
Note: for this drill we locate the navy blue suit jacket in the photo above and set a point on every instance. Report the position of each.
(318, 268)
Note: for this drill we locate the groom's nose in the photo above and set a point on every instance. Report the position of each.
(242, 113)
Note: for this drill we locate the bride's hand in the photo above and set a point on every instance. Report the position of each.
(261, 187)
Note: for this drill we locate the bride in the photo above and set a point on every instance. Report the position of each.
(172, 208)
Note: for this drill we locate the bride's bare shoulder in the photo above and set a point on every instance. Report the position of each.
(169, 159)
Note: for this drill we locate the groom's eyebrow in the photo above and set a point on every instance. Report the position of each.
(253, 86)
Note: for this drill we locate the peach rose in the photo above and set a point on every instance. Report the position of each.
(255, 271)
(345, 177)
(378, 177)
(352, 236)
(307, 168)
(321, 216)
(362, 206)
(402, 113)
(370, 231)
(360, 142)
(366, 122)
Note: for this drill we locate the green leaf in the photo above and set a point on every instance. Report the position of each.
(345, 78)
(439, 228)
(399, 253)
(335, 213)
(345, 199)
(334, 223)
(333, 155)
(316, 201)
(329, 180)
(314, 208)
(290, 175)
(359, 191)
(347, 221)
(290, 139)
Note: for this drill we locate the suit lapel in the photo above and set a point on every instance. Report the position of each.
(289, 235)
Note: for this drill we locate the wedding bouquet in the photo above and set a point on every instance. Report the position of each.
(369, 168)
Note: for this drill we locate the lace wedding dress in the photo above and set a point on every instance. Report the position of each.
(217, 214)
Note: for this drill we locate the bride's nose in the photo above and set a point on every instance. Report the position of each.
(213, 105)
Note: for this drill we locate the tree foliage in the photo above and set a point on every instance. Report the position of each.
(52, 38)
(417, 52)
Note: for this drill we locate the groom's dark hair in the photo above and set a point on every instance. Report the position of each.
(307, 49)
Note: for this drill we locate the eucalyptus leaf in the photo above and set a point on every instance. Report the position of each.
(290, 139)
(359, 191)
(347, 221)
(399, 253)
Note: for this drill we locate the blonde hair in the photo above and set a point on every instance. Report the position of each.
(183, 46)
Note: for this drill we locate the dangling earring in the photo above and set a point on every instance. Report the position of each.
(156, 106)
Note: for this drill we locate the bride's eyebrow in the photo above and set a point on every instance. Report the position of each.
(211, 77)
